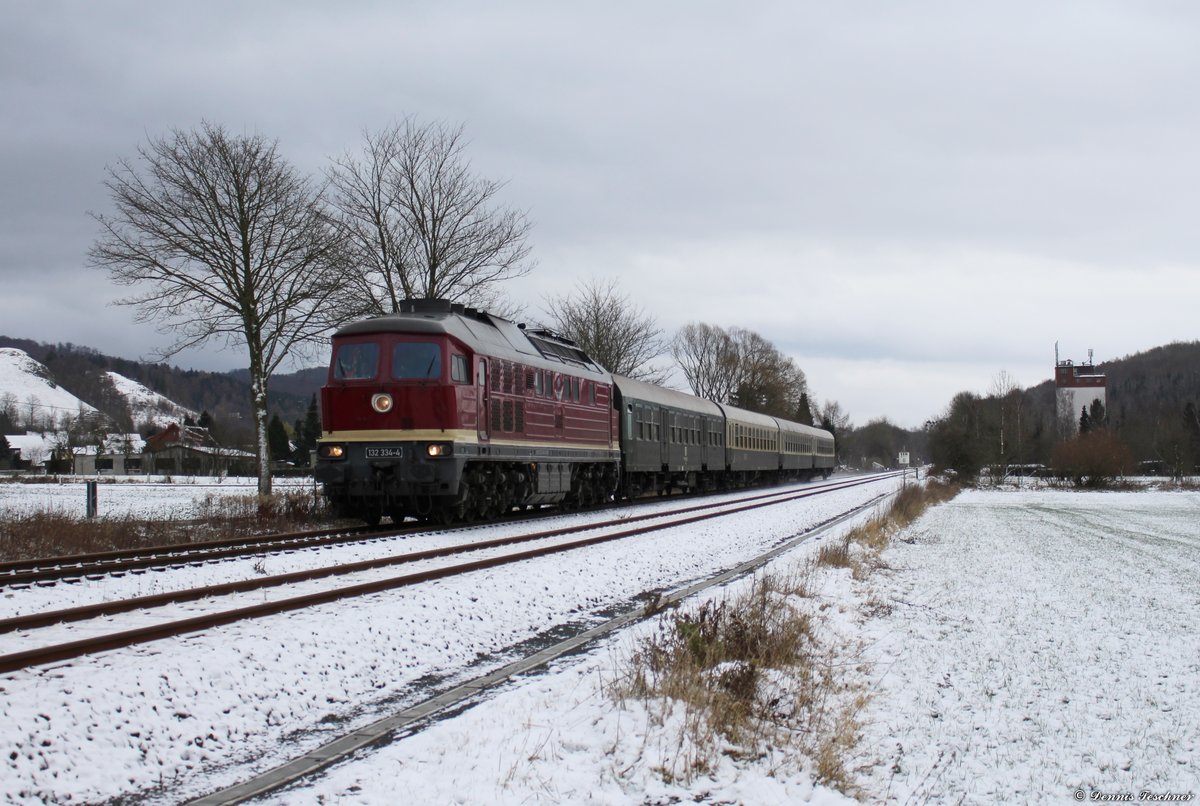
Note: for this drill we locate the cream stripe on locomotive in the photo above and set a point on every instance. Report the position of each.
(463, 436)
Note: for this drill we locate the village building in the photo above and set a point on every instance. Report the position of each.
(178, 450)
(188, 450)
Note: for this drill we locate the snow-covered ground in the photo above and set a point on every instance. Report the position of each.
(203, 711)
(1023, 647)
(1039, 645)
(147, 497)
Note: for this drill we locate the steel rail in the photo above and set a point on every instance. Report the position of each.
(73, 649)
(105, 562)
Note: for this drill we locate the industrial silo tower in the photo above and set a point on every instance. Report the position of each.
(1076, 387)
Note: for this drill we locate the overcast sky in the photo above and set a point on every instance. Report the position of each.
(907, 198)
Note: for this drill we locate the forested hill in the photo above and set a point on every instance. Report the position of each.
(1148, 392)
(226, 396)
(1145, 385)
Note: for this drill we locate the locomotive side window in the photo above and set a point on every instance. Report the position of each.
(538, 387)
(458, 369)
(356, 362)
(413, 361)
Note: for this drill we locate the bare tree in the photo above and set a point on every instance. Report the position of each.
(768, 381)
(228, 242)
(739, 366)
(420, 225)
(607, 326)
(708, 357)
(1007, 393)
(836, 422)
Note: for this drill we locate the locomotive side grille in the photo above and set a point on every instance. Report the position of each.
(520, 416)
(509, 371)
(497, 417)
(508, 415)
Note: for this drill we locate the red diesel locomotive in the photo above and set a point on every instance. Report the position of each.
(443, 412)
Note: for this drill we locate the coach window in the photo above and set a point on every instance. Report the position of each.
(356, 362)
(458, 369)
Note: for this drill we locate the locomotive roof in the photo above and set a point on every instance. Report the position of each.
(484, 333)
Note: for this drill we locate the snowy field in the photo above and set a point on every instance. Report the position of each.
(143, 497)
(1040, 645)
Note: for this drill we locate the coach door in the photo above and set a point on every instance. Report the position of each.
(484, 398)
(664, 438)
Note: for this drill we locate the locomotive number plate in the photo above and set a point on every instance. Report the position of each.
(384, 453)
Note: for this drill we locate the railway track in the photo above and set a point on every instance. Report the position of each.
(74, 567)
(32, 628)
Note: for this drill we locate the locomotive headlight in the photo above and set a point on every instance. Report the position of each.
(331, 451)
(438, 449)
(381, 402)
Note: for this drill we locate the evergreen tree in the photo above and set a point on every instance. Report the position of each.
(1191, 427)
(5, 450)
(277, 440)
(206, 420)
(804, 410)
(1085, 422)
(1097, 416)
(312, 426)
(307, 432)
(300, 455)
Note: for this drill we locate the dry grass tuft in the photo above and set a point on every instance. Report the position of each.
(751, 677)
(744, 674)
(54, 534)
(873, 537)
